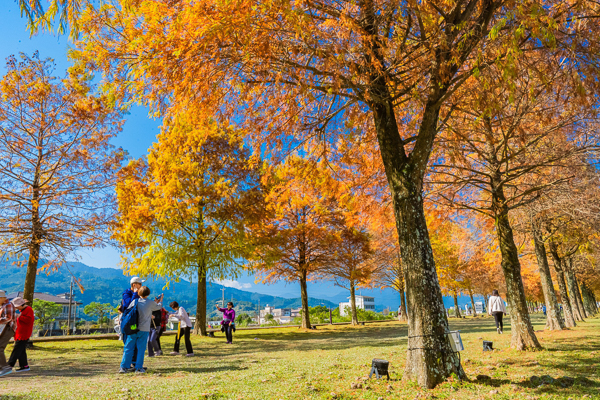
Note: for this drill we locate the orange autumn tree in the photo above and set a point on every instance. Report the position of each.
(448, 244)
(57, 166)
(497, 152)
(353, 264)
(291, 70)
(184, 211)
(297, 239)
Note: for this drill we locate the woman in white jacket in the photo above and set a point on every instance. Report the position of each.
(497, 308)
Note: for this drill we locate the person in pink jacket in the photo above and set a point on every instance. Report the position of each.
(228, 321)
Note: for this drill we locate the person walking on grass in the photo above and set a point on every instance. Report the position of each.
(228, 321)
(497, 308)
(139, 340)
(8, 325)
(184, 330)
(22, 335)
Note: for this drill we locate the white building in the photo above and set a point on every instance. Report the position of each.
(362, 302)
(281, 315)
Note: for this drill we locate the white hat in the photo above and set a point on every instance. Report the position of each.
(136, 279)
(2, 293)
(19, 301)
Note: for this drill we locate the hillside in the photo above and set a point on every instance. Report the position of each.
(105, 285)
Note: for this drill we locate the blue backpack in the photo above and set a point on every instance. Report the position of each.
(129, 320)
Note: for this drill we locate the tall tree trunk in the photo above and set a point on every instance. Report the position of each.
(553, 319)
(200, 326)
(577, 291)
(353, 303)
(588, 301)
(523, 336)
(32, 266)
(456, 308)
(430, 359)
(572, 292)
(304, 297)
(34, 244)
(472, 300)
(562, 287)
(404, 316)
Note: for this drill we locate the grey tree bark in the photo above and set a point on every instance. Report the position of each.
(577, 314)
(562, 287)
(523, 336)
(457, 313)
(576, 289)
(304, 298)
(472, 301)
(553, 319)
(200, 325)
(353, 303)
(588, 300)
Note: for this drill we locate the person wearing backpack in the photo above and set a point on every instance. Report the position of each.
(136, 325)
(128, 296)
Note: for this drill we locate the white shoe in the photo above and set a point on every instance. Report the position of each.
(174, 353)
(501, 331)
(498, 330)
(189, 355)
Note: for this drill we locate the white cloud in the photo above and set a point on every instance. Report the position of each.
(234, 284)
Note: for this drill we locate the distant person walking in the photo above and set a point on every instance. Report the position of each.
(22, 335)
(228, 322)
(139, 340)
(497, 308)
(8, 326)
(184, 329)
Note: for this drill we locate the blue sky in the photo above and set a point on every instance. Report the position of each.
(138, 135)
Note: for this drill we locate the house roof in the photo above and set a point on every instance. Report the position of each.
(45, 297)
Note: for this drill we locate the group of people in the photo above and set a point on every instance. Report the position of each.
(20, 327)
(152, 321)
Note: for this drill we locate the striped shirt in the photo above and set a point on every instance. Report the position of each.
(7, 316)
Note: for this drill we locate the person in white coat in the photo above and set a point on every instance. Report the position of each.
(497, 308)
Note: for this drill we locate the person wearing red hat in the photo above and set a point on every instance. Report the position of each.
(22, 335)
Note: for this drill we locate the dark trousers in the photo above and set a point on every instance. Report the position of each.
(19, 353)
(153, 341)
(498, 318)
(185, 332)
(160, 332)
(228, 332)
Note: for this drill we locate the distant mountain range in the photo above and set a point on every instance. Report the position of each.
(106, 285)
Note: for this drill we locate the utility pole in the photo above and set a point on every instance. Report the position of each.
(70, 302)
(223, 294)
(258, 315)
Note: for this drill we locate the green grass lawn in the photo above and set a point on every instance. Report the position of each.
(293, 364)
